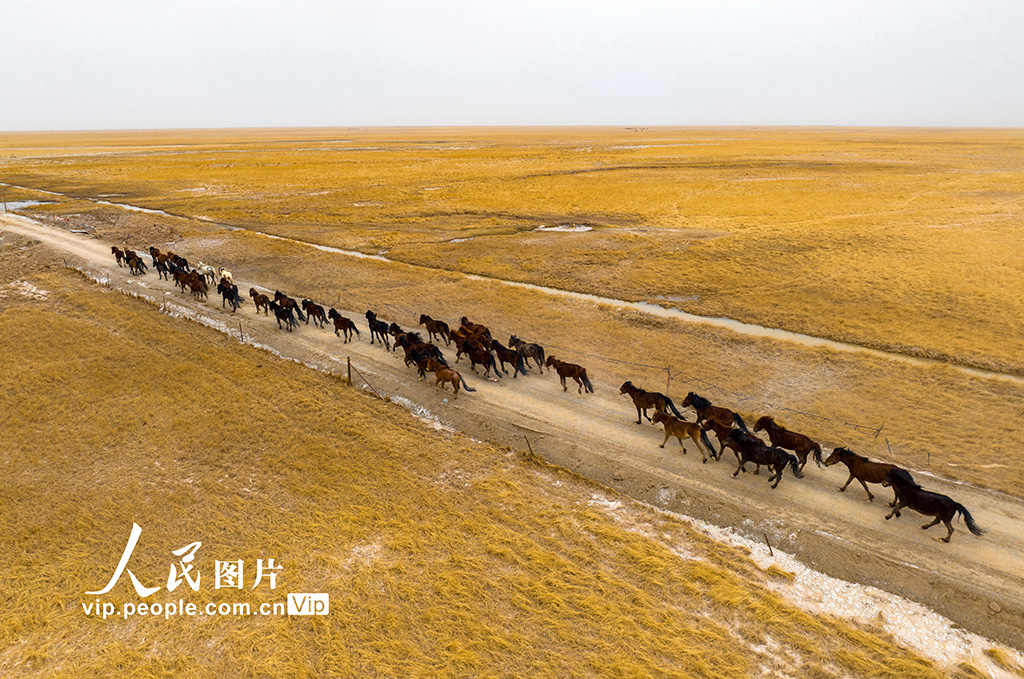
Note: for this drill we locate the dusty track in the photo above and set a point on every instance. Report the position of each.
(840, 534)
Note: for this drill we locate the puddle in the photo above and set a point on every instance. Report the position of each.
(10, 205)
(566, 228)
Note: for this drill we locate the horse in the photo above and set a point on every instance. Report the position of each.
(439, 328)
(510, 356)
(288, 303)
(942, 507)
(648, 399)
(224, 273)
(721, 431)
(577, 372)
(479, 354)
(679, 428)
(207, 270)
(475, 328)
(284, 314)
(314, 311)
(229, 293)
(260, 300)
(462, 335)
(118, 254)
(197, 284)
(342, 325)
(378, 329)
(862, 469)
(749, 448)
(137, 266)
(528, 351)
(790, 440)
(410, 341)
(706, 411)
(447, 376)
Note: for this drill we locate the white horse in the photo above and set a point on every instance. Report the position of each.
(206, 270)
(224, 273)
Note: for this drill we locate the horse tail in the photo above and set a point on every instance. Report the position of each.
(494, 365)
(739, 421)
(586, 381)
(969, 520)
(707, 442)
(817, 453)
(464, 385)
(794, 464)
(672, 405)
(356, 329)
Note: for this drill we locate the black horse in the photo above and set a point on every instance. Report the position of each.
(378, 329)
(749, 448)
(942, 507)
(285, 315)
(229, 293)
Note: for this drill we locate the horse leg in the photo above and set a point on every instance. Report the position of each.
(949, 527)
(843, 487)
(871, 498)
(895, 511)
(579, 382)
(564, 388)
(648, 418)
(696, 442)
(929, 525)
(639, 421)
(757, 470)
(740, 468)
(777, 477)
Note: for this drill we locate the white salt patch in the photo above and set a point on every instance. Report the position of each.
(25, 289)
(566, 228)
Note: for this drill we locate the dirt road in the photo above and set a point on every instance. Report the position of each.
(978, 583)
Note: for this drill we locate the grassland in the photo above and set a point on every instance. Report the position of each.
(442, 556)
(904, 240)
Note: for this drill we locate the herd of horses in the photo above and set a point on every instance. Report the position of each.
(784, 449)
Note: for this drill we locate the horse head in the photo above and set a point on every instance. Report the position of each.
(764, 422)
(626, 387)
(899, 477)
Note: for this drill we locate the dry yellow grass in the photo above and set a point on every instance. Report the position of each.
(443, 557)
(900, 239)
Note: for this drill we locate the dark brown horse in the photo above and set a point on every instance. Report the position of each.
(261, 301)
(644, 400)
(285, 315)
(721, 431)
(577, 372)
(481, 355)
(679, 428)
(118, 255)
(475, 328)
(378, 329)
(706, 411)
(528, 350)
(342, 325)
(790, 440)
(439, 328)
(749, 448)
(510, 356)
(314, 311)
(942, 507)
(229, 292)
(287, 302)
(862, 469)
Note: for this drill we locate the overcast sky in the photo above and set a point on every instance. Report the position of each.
(102, 64)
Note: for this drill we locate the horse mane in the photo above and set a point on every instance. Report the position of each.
(904, 476)
(698, 401)
(846, 451)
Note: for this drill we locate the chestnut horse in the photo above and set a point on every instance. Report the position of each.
(260, 300)
(342, 325)
(447, 376)
(577, 372)
(942, 507)
(643, 400)
(790, 440)
(706, 411)
(862, 469)
(679, 428)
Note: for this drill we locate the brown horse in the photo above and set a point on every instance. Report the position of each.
(342, 325)
(475, 328)
(447, 376)
(679, 428)
(942, 507)
(261, 301)
(287, 302)
(721, 431)
(316, 312)
(706, 411)
(749, 448)
(118, 255)
(790, 440)
(480, 354)
(577, 372)
(439, 328)
(862, 469)
(643, 400)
